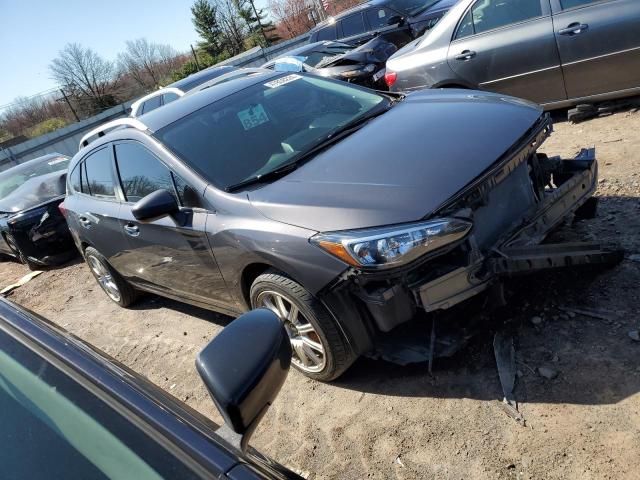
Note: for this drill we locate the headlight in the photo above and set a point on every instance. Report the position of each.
(391, 246)
(370, 68)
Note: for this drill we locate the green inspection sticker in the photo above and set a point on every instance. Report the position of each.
(253, 116)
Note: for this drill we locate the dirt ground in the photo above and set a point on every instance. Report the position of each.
(384, 421)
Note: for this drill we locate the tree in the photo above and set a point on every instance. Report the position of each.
(205, 22)
(86, 76)
(260, 30)
(148, 63)
(292, 17)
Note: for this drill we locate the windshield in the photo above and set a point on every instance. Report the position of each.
(17, 176)
(257, 130)
(411, 7)
(317, 57)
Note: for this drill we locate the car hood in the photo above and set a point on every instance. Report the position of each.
(35, 191)
(401, 166)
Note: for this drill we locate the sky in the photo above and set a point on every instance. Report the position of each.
(32, 32)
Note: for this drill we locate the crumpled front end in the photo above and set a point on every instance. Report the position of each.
(42, 234)
(513, 206)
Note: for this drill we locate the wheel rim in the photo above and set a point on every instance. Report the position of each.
(104, 277)
(308, 350)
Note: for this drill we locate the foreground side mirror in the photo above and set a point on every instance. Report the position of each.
(244, 368)
(155, 205)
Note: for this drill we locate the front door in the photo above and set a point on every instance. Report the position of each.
(599, 43)
(169, 254)
(509, 47)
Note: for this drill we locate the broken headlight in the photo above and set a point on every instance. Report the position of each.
(370, 68)
(392, 246)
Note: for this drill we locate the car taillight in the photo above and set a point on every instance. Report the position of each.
(63, 209)
(390, 78)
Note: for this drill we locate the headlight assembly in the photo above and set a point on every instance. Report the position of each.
(370, 68)
(391, 246)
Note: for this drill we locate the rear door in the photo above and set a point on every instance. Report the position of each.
(599, 43)
(169, 254)
(94, 206)
(508, 46)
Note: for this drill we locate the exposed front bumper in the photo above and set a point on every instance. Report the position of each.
(513, 206)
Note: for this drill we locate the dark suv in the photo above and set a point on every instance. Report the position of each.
(398, 21)
(344, 210)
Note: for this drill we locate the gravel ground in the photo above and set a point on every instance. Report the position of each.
(384, 421)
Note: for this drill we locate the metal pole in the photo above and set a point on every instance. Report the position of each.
(266, 40)
(195, 57)
(64, 95)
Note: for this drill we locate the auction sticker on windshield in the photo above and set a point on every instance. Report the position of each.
(282, 81)
(253, 116)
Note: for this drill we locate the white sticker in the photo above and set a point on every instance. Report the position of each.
(253, 116)
(381, 13)
(56, 161)
(282, 81)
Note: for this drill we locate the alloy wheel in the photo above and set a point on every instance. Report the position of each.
(308, 351)
(104, 277)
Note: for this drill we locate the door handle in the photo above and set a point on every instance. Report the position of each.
(574, 29)
(132, 229)
(85, 222)
(466, 55)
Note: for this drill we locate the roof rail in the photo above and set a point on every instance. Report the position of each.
(120, 122)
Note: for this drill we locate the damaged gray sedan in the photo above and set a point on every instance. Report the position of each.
(348, 212)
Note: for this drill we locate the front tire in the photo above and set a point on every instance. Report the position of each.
(116, 287)
(320, 349)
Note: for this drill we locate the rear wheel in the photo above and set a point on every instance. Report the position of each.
(320, 350)
(116, 287)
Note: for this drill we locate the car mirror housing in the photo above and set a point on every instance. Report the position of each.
(244, 368)
(155, 205)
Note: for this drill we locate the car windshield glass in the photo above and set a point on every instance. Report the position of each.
(318, 57)
(411, 7)
(30, 184)
(263, 127)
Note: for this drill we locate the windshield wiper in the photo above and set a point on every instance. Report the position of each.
(333, 137)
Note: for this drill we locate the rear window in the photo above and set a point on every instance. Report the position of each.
(151, 104)
(99, 174)
(353, 25)
(327, 33)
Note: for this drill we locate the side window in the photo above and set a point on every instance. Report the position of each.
(491, 14)
(151, 104)
(75, 178)
(379, 17)
(567, 4)
(169, 97)
(73, 434)
(327, 33)
(99, 174)
(353, 25)
(188, 196)
(141, 173)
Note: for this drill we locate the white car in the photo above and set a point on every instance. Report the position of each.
(175, 90)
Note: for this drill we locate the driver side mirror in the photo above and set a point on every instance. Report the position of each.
(244, 368)
(155, 205)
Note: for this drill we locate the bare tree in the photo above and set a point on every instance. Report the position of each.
(292, 17)
(148, 63)
(86, 75)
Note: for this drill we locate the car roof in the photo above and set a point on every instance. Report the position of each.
(161, 117)
(201, 77)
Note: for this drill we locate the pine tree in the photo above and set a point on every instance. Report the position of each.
(205, 21)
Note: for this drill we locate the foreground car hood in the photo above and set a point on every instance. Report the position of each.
(402, 165)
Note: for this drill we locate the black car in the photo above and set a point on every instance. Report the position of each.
(363, 65)
(32, 228)
(69, 411)
(346, 211)
(397, 21)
